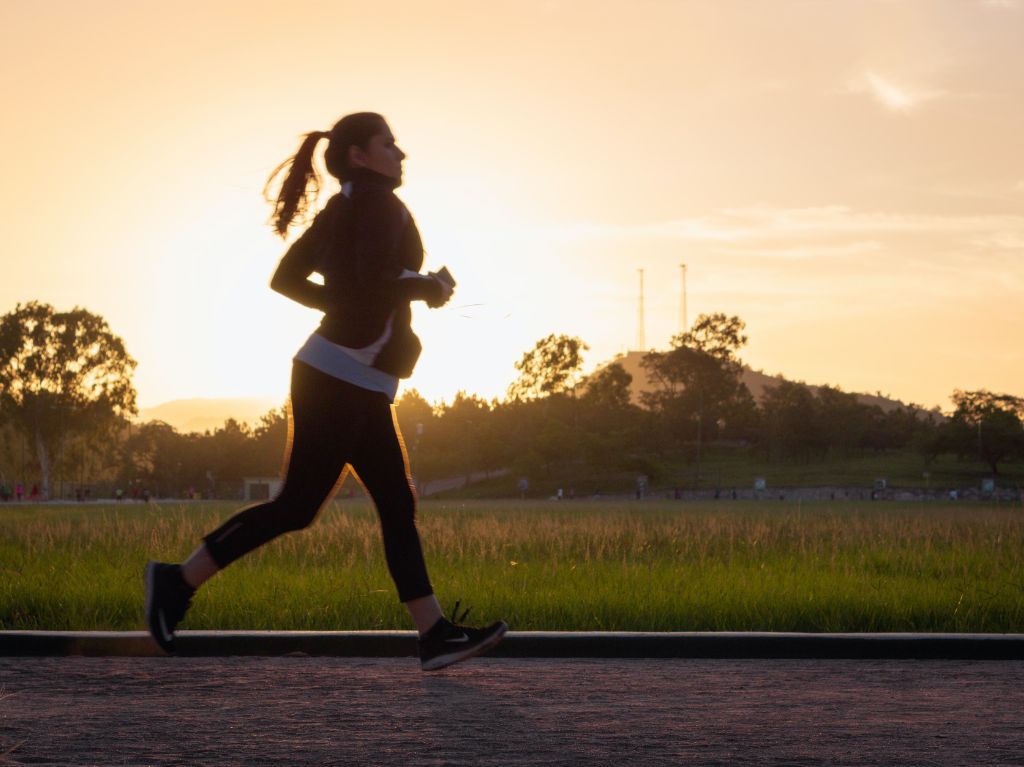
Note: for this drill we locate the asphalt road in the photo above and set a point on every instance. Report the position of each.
(503, 711)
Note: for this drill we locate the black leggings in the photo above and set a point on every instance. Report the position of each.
(336, 423)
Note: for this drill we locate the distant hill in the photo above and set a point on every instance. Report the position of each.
(188, 415)
(755, 380)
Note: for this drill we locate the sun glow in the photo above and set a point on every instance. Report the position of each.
(868, 230)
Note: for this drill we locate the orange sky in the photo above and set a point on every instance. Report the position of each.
(844, 175)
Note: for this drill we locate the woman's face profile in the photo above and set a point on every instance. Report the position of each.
(381, 155)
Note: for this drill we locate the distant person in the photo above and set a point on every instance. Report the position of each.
(641, 486)
(19, 491)
(367, 248)
(34, 494)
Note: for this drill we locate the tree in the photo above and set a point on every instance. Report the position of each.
(611, 429)
(846, 424)
(461, 434)
(698, 379)
(792, 422)
(158, 457)
(415, 415)
(914, 427)
(608, 387)
(985, 424)
(270, 440)
(552, 366)
(416, 421)
(716, 335)
(230, 454)
(61, 373)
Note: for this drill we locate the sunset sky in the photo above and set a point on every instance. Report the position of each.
(845, 175)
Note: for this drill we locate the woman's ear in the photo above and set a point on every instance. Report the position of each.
(356, 157)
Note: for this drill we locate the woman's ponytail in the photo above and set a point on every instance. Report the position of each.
(297, 195)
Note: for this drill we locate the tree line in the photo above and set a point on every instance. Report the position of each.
(67, 402)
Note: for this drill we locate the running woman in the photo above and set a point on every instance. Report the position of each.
(367, 248)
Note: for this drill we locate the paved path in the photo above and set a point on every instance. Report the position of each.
(498, 711)
(532, 644)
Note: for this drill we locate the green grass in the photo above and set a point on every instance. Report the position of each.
(900, 468)
(653, 566)
(728, 468)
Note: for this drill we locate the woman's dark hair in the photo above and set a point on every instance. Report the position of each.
(301, 186)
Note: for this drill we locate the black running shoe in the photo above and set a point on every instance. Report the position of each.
(168, 598)
(447, 642)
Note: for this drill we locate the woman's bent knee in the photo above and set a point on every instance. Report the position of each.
(294, 519)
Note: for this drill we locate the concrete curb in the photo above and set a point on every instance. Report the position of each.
(528, 644)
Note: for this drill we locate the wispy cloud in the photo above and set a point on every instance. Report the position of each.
(767, 223)
(696, 229)
(1002, 241)
(893, 96)
(770, 221)
(802, 252)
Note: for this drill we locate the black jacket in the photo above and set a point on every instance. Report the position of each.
(361, 244)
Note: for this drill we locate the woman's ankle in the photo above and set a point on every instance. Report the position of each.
(425, 612)
(199, 567)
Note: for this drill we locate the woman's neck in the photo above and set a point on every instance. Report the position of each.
(360, 176)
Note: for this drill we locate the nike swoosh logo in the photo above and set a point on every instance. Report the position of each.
(168, 636)
(463, 638)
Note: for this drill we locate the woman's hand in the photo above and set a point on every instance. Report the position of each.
(441, 294)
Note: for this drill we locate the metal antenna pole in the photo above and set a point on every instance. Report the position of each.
(682, 309)
(641, 346)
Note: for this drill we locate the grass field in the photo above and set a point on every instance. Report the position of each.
(652, 566)
(735, 468)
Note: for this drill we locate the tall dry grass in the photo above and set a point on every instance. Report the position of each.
(575, 565)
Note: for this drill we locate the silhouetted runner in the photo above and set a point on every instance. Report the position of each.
(367, 248)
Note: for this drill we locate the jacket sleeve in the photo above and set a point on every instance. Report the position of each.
(379, 225)
(291, 279)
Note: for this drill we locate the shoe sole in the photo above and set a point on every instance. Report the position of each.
(443, 661)
(150, 579)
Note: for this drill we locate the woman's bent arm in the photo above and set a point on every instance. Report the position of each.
(292, 276)
(292, 280)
